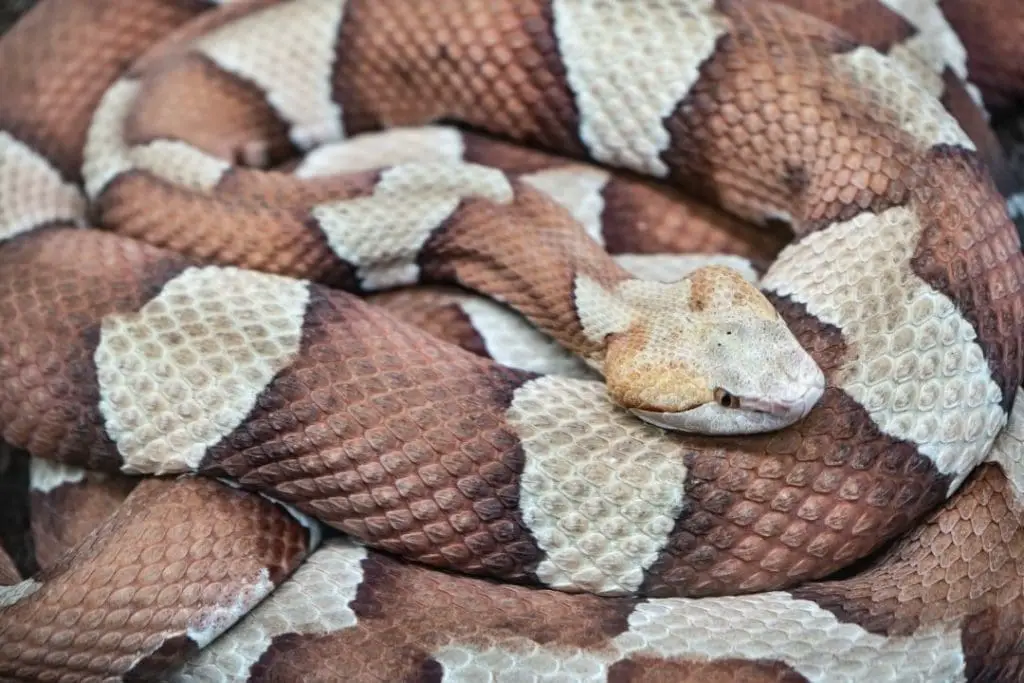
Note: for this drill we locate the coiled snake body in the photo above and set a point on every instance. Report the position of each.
(185, 303)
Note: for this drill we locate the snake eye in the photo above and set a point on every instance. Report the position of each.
(725, 399)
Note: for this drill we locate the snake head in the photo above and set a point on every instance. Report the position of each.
(709, 355)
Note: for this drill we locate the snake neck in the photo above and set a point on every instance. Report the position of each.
(483, 248)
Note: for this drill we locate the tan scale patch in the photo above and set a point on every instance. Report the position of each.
(1008, 449)
(180, 163)
(673, 267)
(46, 475)
(314, 600)
(771, 627)
(896, 89)
(577, 188)
(10, 595)
(287, 50)
(629, 64)
(209, 624)
(382, 235)
(600, 311)
(916, 365)
(107, 155)
(778, 627)
(713, 288)
(934, 47)
(32, 191)
(600, 490)
(521, 659)
(511, 340)
(392, 147)
(183, 373)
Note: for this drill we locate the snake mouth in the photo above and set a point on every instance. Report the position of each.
(784, 408)
(732, 415)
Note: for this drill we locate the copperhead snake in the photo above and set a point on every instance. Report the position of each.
(326, 492)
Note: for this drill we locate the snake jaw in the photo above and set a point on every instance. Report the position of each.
(785, 408)
(748, 415)
(672, 397)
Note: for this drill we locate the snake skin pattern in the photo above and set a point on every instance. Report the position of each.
(240, 471)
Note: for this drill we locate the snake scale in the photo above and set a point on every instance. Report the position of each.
(339, 333)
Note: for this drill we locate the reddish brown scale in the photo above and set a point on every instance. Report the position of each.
(273, 237)
(485, 149)
(129, 596)
(652, 219)
(435, 312)
(990, 31)
(970, 252)
(870, 22)
(226, 117)
(645, 217)
(656, 670)
(55, 287)
(63, 516)
(59, 59)
(492, 249)
(392, 641)
(720, 129)
(493, 65)
(873, 23)
(286, 191)
(393, 437)
(964, 562)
